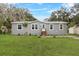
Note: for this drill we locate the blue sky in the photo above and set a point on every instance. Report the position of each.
(40, 10)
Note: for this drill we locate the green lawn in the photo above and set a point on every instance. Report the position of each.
(36, 46)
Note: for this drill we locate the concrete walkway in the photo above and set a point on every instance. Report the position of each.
(75, 37)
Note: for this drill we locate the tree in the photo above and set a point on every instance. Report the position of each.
(60, 15)
(9, 13)
(75, 14)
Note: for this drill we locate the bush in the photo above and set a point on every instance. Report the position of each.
(0, 32)
(30, 34)
(54, 36)
(25, 24)
(18, 34)
(39, 36)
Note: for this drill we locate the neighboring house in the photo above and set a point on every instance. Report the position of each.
(74, 30)
(71, 30)
(39, 28)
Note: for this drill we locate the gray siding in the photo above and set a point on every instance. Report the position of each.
(56, 29)
(34, 31)
(28, 30)
(16, 31)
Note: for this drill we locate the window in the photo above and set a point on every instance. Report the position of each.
(61, 27)
(36, 27)
(43, 26)
(19, 27)
(51, 26)
(32, 26)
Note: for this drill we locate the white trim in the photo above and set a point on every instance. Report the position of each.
(43, 29)
(21, 27)
(59, 26)
(34, 26)
(52, 26)
(37, 26)
(31, 26)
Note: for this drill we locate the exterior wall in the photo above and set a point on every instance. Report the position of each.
(34, 31)
(56, 30)
(28, 30)
(71, 30)
(17, 31)
(76, 30)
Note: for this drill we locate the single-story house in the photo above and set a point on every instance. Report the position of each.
(74, 30)
(39, 28)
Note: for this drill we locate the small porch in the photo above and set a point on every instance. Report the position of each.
(43, 32)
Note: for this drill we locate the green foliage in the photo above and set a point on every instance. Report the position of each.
(54, 36)
(72, 16)
(39, 36)
(71, 24)
(76, 19)
(1, 23)
(30, 34)
(60, 15)
(11, 13)
(7, 23)
(75, 10)
(29, 17)
(0, 32)
(25, 24)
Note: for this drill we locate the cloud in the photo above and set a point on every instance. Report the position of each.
(39, 9)
(52, 10)
(68, 5)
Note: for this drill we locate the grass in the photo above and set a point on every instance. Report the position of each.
(11, 45)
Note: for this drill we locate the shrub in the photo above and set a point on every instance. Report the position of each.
(54, 36)
(39, 36)
(25, 24)
(30, 34)
(0, 32)
(18, 34)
